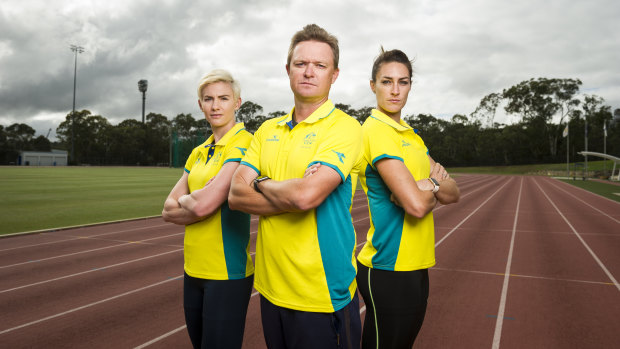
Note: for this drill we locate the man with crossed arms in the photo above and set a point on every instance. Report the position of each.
(296, 176)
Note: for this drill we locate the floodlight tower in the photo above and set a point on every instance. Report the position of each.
(586, 142)
(142, 86)
(76, 49)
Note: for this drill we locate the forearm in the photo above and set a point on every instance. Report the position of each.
(285, 195)
(176, 214)
(302, 194)
(449, 192)
(243, 197)
(192, 203)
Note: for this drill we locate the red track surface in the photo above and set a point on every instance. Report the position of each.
(522, 262)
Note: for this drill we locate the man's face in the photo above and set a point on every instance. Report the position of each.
(311, 71)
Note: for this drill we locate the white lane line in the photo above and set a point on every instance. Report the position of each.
(89, 271)
(594, 208)
(87, 251)
(90, 305)
(611, 277)
(168, 334)
(502, 303)
(77, 237)
(40, 244)
(165, 335)
(524, 276)
(471, 214)
(112, 232)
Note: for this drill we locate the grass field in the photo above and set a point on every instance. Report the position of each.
(608, 190)
(33, 198)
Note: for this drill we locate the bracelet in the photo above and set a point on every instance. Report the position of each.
(258, 180)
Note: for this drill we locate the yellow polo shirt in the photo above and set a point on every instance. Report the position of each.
(305, 260)
(218, 247)
(396, 241)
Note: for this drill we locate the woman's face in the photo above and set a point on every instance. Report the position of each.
(391, 88)
(218, 104)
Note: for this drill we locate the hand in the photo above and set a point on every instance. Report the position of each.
(170, 204)
(183, 200)
(425, 184)
(311, 170)
(439, 172)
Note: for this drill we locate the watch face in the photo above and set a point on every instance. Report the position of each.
(435, 181)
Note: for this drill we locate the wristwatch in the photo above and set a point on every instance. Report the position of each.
(435, 184)
(258, 180)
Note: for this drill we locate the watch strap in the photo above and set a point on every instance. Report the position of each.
(435, 184)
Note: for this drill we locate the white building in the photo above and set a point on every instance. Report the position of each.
(43, 158)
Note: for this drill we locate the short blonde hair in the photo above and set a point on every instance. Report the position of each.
(218, 75)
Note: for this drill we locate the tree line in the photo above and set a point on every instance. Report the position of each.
(542, 107)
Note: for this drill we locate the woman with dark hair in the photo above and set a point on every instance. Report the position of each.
(403, 184)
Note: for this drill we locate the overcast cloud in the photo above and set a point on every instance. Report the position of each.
(464, 50)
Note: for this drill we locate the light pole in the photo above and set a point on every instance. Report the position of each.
(586, 141)
(142, 86)
(605, 147)
(76, 49)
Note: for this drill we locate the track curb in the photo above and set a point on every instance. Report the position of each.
(49, 230)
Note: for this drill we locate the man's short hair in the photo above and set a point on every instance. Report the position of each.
(218, 75)
(313, 32)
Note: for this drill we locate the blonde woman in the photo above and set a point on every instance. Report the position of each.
(218, 269)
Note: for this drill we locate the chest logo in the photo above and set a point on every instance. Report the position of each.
(217, 157)
(341, 156)
(405, 143)
(310, 138)
(273, 138)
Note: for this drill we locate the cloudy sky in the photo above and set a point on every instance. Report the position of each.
(464, 50)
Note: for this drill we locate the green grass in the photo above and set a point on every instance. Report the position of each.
(33, 198)
(603, 189)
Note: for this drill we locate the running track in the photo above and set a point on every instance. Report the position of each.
(522, 262)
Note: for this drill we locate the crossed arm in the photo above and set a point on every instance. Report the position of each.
(291, 195)
(417, 200)
(184, 208)
(415, 197)
(449, 192)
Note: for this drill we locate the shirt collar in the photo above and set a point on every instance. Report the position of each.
(402, 126)
(322, 112)
(233, 131)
